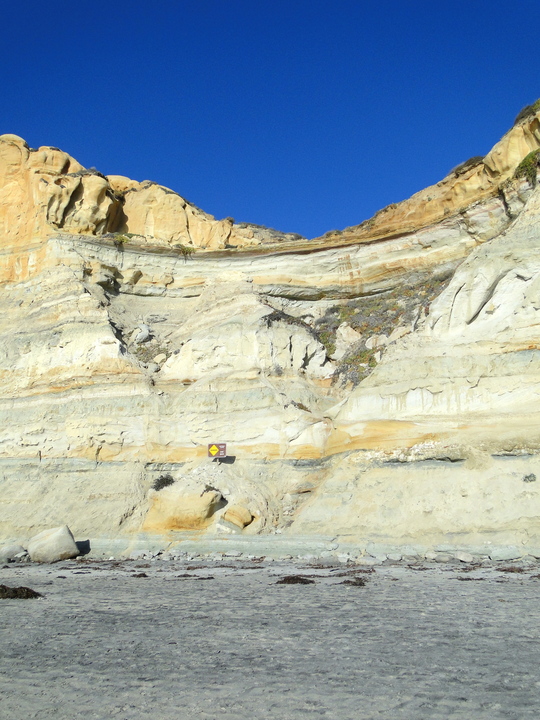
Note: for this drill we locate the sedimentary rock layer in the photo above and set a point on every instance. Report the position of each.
(122, 357)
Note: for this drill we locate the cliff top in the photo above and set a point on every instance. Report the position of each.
(46, 191)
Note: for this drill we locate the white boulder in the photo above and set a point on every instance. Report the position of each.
(346, 337)
(53, 545)
(8, 553)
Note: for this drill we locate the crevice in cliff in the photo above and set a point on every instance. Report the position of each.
(454, 300)
(119, 334)
(487, 296)
(188, 230)
(280, 316)
(307, 359)
(116, 219)
(502, 196)
(76, 197)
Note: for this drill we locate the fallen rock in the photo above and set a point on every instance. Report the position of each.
(376, 341)
(238, 515)
(8, 553)
(172, 510)
(346, 337)
(22, 557)
(505, 553)
(53, 545)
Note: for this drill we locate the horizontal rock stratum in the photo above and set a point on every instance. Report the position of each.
(375, 388)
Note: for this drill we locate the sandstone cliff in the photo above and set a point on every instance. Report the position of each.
(471, 182)
(45, 191)
(373, 391)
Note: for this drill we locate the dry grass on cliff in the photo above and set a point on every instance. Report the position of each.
(375, 315)
(527, 112)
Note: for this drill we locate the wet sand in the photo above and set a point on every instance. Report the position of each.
(172, 640)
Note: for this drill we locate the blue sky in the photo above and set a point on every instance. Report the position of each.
(303, 116)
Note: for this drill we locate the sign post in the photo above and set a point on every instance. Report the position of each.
(217, 450)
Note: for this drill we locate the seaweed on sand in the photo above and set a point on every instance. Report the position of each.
(18, 593)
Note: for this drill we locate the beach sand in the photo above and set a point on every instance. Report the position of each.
(175, 639)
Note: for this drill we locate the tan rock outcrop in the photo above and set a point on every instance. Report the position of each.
(43, 191)
(172, 509)
(468, 184)
(238, 515)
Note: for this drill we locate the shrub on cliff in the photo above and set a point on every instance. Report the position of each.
(528, 167)
(468, 164)
(527, 111)
(120, 240)
(162, 481)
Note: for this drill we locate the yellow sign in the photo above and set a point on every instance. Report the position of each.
(217, 450)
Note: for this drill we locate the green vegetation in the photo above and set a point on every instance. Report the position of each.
(527, 111)
(361, 357)
(146, 352)
(528, 167)
(120, 239)
(186, 250)
(328, 339)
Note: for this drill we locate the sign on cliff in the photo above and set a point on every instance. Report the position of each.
(217, 450)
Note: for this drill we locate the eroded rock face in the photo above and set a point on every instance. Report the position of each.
(468, 184)
(121, 364)
(43, 191)
(173, 509)
(476, 352)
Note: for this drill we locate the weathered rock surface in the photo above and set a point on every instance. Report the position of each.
(173, 509)
(8, 553)
(477, 180)
(53, 545)
(382, 391)
(45, 191)
(238, 515)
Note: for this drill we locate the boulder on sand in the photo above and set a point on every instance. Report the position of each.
(52, 545)
(8, 553)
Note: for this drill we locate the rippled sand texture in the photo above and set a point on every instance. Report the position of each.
(170, 640)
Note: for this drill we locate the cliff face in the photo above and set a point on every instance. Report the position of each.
(45, 191)
(377, 391)
(471, 182)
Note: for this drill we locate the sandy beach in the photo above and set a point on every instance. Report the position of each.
(176, 639)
